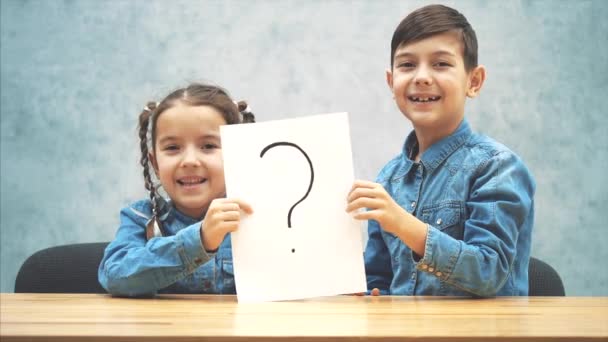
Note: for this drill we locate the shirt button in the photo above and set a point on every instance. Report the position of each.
(439, 221)
(431, 269)
(413, 205)
(438, 274)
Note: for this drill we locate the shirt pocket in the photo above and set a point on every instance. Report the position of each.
(228, 285)
(447, 216)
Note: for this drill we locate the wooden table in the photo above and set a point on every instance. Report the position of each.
(78, 317)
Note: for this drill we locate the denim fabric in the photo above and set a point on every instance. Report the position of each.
(477, 198)
(175, 263)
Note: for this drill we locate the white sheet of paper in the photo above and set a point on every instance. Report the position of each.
(322, 253)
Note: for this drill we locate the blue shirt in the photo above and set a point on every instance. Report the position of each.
(477, 198)
(175, 263)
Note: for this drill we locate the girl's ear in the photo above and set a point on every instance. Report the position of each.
(154, 162)
(476, 78)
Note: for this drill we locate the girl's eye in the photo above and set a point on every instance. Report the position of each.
(171, 148)
(210, 146)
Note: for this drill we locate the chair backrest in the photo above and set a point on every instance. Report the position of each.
(543, 280)
(62, 269)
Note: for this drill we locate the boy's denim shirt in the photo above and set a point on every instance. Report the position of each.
(176, 263)
(477, 198)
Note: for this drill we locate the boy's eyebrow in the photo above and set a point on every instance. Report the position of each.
(435, 53)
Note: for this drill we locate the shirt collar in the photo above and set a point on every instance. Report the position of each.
(439, 151)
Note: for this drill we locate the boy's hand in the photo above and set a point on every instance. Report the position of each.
(374, 292)
(390, 215)
(382, 207)
(223, 217)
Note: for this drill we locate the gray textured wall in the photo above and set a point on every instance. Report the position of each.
(76, 73)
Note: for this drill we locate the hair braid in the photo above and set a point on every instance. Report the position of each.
(144, 122)
(247, 115)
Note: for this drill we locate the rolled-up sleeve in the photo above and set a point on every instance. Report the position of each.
(500, 201)
(132, 266)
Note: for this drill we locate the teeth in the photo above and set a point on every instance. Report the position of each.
(424, 99)
(191, 181)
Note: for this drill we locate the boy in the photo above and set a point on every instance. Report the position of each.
(452, 214)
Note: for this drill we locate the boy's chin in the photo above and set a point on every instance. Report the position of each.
(423, 119)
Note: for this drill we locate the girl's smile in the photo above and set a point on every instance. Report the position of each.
(188, 157)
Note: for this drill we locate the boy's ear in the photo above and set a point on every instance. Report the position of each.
(389, 80)
(476, 78)
(153, 161)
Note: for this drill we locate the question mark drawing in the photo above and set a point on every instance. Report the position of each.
(312, 175)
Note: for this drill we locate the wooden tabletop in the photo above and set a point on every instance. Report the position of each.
(91, 317)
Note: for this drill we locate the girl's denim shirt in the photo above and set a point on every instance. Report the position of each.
(176, 263)
(477, 198)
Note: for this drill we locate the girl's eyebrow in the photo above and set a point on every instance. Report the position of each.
(166, 139)
(170, 138)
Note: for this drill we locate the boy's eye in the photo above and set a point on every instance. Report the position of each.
(406, 65)
(443, 64)
(210, 146)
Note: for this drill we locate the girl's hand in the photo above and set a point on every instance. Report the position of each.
(382, 207)
(223, 217)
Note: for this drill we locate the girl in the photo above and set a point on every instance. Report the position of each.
(165, 246)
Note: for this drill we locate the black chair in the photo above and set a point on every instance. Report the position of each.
(543, 280)
(62, 269)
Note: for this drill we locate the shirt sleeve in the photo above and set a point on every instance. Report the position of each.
(377, 260)
(499, 204)
(132, 266)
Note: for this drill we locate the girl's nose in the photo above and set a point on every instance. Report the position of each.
(191, 157)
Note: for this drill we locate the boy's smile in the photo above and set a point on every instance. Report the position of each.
(423, 98)
(430, 84)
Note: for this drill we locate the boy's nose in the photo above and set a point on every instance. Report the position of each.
(423, 76)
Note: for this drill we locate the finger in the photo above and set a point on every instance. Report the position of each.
(362, 192)
(233, 215)
(229, 226)
(221, 204)
(360, 183)
(363, 202)
(242, 205)
(375, 292)
(235, 205)
(367, 215)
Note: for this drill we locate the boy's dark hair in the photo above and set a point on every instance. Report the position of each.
(195, 94)
(435, 19)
